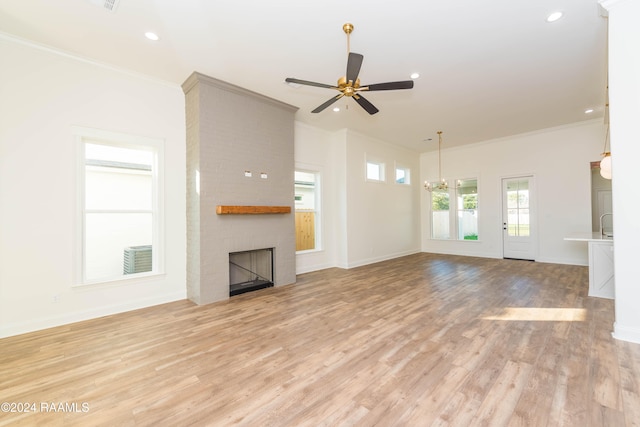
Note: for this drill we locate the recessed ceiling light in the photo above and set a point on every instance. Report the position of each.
(336, 109)
(151, 36)
(588, 111)
(415, 75)
(553, 17)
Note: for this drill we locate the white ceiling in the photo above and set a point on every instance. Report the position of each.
(488, 69)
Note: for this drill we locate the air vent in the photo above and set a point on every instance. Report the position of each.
(109, 5)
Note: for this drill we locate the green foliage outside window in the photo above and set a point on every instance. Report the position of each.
(470, 201)
(440, 201)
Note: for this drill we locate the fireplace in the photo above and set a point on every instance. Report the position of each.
(250, 270)
(240, 168)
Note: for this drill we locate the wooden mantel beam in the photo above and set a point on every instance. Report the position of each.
(252, 210)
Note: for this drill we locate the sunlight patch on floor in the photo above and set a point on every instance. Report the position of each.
(539, 314)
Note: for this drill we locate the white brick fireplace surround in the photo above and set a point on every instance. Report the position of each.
(240, 153)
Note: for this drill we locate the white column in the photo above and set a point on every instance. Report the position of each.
(624, 99)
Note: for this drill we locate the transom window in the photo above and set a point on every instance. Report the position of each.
(403, 175)
(375, 171)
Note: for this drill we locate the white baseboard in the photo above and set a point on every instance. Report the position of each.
(387, 257)
(78, 316)
(462, 253)
(564, 261)
(310, 268)
(625, 333)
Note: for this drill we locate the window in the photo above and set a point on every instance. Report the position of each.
(454, 211)
(518, 208)
(375, 171)
(440, 217)
(467, 204)
(403, 175)
(307, 210)
(119, 201)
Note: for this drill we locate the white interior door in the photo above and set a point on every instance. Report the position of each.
(518, 210)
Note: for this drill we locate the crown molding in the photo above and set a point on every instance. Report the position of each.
(198, 78)
(608, 4)
(76, 57)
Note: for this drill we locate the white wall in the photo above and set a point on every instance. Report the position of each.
(383, 218)
(44, 94)
(624, 96)
(313, 151)
(363, 222)
(559, 160)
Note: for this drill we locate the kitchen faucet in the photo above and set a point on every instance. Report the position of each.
(602, 233)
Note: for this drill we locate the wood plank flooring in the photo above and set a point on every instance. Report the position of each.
(423, 340)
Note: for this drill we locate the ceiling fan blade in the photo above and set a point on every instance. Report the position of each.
(406, 84)
(353, 66)
(308, 83)
(369, 107)
(329, 102)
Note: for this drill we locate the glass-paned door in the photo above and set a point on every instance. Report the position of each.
(517, 213)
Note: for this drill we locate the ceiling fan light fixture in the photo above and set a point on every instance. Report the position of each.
(588, 111)
(415, 75)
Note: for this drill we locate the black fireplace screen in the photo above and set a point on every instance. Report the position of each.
(250, 270)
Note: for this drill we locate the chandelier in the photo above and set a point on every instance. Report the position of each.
(605, 163)
(442, 184)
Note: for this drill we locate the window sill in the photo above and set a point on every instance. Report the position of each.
(120, 281)
(454, 240)
(309, 251)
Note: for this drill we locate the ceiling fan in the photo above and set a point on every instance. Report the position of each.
(349, 85)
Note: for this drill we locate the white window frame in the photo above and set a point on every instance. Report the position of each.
(453, 210)
(461, 209)
(317, 193)
(407, 173)
(156, 146)
(381, 170)
(452, 213)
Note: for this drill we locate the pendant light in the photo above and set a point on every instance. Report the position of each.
(442, 184)
(605, 163)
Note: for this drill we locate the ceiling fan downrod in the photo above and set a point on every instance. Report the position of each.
(348, 29)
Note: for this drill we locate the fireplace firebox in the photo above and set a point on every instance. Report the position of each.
(250, 270)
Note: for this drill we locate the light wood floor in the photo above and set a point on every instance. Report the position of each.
(423, 340)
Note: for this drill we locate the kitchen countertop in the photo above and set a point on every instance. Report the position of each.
(588, 237)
